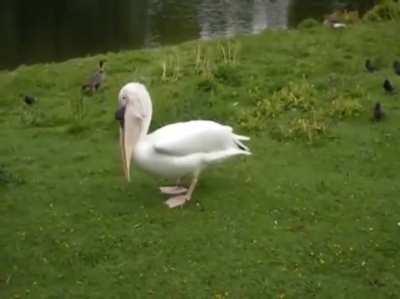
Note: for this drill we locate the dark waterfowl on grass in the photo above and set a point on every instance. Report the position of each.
(396, 67)
(97, 79)
(378, 112)
(369, 66)
(29, 100)
(388, 86)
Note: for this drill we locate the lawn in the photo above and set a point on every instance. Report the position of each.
(313, 213)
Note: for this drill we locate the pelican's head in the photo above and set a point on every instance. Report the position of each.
(134, 115)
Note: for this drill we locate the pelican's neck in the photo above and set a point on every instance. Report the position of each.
(146, 109)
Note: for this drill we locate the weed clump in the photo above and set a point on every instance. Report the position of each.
(203, 61)
(309, 128)
(297, 112)
(171, 68)
(213, 61)
(207, 85)
(31, 116)
(345, 107)
(228, 52)
(298, 96)
(295, 98)
(8, 178)
(228, 75)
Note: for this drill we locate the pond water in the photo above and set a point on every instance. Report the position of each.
(49, 30)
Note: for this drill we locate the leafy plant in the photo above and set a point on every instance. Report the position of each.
(300, 95)
(31, 116)
(308, 23)
(228, 74)
(207, 85)
(171, 68)
(345, 107)
(386, 10)
(228, 52)
(307, 127)
(251, 120)
(77, 107)
(203, 61)
(291, 113)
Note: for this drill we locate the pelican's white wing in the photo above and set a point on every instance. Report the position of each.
(196, 137)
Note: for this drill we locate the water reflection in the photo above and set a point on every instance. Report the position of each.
(48, 30)
(61, 29)
(227, 18)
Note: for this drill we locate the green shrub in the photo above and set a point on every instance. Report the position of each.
(386, 10)
(228, 74)
(308, 23)
(206, 85)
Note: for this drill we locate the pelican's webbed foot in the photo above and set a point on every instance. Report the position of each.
(180, 200)
(176, 201)
(174, 190)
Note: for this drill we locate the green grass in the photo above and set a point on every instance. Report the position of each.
(313, 213)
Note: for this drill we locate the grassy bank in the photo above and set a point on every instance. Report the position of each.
(313, 213)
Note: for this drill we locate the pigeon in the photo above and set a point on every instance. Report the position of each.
(388, 86)
(396, 67)
(29, 100)
(370, 68)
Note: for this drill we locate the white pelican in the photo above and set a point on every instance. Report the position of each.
(173, 151)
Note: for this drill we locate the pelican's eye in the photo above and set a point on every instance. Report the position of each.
(124, 100)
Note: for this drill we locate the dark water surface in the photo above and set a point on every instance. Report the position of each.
(55, 30)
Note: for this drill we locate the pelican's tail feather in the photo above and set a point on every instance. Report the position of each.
(216, 157)
(237, 139)
(241, 137)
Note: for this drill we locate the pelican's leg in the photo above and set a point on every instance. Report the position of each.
(179, 200)
(174, 190)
